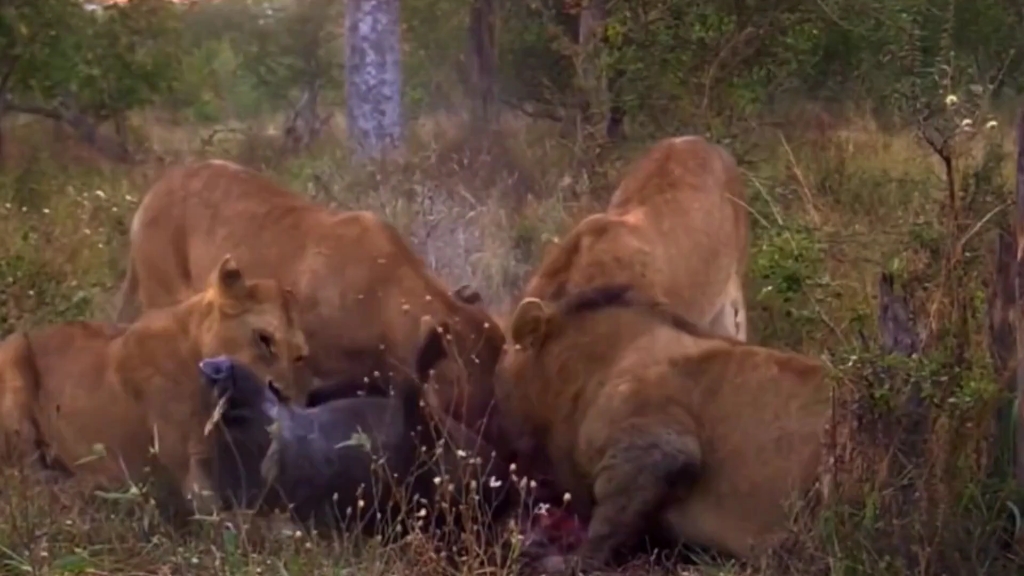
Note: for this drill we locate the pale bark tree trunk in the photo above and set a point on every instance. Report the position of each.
(373, 76)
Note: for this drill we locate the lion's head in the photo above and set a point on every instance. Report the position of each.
(461, 354)
(253, 322)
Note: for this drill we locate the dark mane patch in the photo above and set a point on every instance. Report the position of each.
(598, 298)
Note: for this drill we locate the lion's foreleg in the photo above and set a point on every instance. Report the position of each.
(632, 483)
(198, 488)
(183, 454)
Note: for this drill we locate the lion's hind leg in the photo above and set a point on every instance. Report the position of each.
(633, 482)
(19, 438)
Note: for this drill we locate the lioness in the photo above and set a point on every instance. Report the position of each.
(109, 401)
(339, 464)
(655, 426)
(676, 229)
(362, 292)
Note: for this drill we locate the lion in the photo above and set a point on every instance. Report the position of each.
(657, 426)
(676, 229)
(365, 301)
(110, 401)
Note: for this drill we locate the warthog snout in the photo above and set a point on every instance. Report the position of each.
(217, 369)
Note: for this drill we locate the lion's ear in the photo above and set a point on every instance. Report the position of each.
(467, 294)
(227, 281)
(433, 348)
(529, 323)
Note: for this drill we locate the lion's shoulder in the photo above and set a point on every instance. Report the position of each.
(78, 332)
(231, 187)
(601, 248)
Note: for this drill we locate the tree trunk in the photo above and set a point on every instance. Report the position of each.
(603, 85)
(1019, 276)
(482, 59)
(1002, 346)
(305, 123)
(594, 104)
(373, 76)
(1002, 342)
(2, 136)
(615, 129)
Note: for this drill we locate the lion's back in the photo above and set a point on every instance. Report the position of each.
(689, 192)
(759, 416)
(73, 353)
(600, 250)
(198, 213)
(762, 418)
(675, 172)
(676, 229)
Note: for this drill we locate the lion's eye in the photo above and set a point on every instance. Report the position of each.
(265, 342)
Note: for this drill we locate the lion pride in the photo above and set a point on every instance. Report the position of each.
(655, 426)
(676, 229)
(365, 300)
(108, 401)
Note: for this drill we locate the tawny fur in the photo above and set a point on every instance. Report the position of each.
(676, 229)
(363, 294)
(653, 424)
(108, 401)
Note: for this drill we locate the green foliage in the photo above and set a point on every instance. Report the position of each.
(287, 47)
(36, 48)
(531, 38)
(434, 43)
(102, 62)
(787, 273)
(692, 64)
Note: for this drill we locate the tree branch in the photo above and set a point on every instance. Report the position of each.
(8, 74)
(532, 112)
(84, 127)
(34, 110)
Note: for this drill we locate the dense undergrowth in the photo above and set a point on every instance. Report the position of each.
(918, 480)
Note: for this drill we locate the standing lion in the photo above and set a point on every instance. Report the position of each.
(676, 230)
